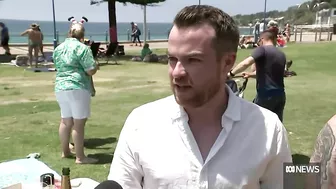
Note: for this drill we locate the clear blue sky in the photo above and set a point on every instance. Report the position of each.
(42, 10)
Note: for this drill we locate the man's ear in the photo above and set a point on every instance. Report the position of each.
(228, 60)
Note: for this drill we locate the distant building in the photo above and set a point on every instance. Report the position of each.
(325, 17)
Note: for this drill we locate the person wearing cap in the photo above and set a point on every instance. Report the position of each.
(75, 66)
(273, 26)
(34, 42)
(136, 35)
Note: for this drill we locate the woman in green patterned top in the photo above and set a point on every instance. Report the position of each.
(74, 87)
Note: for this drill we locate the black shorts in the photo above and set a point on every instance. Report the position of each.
(5, 42)
(275, 104)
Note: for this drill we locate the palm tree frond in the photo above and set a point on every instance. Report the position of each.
(135, 2)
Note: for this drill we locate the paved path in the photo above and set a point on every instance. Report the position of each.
(21, 50)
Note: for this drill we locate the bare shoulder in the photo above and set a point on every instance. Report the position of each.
(324, 144)
(324, 152)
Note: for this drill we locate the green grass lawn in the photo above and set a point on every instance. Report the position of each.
(29, 114)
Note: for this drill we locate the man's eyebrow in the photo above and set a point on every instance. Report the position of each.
(195, 53)
(190, 54)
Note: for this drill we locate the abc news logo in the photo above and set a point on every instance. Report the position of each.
(302, 169)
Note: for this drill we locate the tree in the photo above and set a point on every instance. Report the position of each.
(112, 12)
(303, 14)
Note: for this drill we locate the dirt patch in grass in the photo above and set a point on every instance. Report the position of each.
(156, 88)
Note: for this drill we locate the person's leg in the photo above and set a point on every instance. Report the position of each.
(78, 138)
(81, 111)
(279, 109)
(36, 53)
(139, 40)
(267, 102)
(5, 46)
(30, 54)
(7, 50)
(275, 104)
(41, 49)
(255, 38)
(134, 40)
(66, 123)
(64, 134)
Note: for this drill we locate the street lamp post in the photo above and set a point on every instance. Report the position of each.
(265, 8)
(145, 30)
(199, 2)
(54, 21)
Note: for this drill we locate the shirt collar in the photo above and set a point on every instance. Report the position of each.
(232, 112)
(71, 39)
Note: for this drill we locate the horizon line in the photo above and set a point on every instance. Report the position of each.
(31, 20)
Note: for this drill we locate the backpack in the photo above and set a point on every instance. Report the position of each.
(138, 32)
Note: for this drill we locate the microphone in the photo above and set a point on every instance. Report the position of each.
(108, 184)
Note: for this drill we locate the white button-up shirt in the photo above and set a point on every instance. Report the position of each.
(157, 150)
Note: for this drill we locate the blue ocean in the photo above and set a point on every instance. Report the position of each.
(95, 31)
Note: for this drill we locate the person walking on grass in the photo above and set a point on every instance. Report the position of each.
(4, 40)
(136, 35)
(269, 64)
(75, 66)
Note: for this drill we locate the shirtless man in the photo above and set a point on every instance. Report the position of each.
(325, 153)
(34, 42)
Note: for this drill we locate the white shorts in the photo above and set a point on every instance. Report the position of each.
(74, 103)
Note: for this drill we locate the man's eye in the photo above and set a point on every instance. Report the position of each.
(194, 60)
(172, 59)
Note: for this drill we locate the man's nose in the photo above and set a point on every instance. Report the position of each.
(179, 70)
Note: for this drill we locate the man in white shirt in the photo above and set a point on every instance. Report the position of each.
(256, 31)
(203, 136)
(262, 26)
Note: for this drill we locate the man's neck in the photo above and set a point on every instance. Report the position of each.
(211, 111)
(268, 44)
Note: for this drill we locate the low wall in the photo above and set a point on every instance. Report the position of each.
(102, 42)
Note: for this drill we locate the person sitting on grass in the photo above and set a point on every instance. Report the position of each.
(146, 55)
(145, 51)
(247, 43)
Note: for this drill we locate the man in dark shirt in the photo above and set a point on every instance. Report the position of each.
(269, 72)
(4, 38)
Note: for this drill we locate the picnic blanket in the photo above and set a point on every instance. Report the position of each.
(25, 171)
(28, 172)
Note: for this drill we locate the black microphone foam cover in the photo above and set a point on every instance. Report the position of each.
(108, 184)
